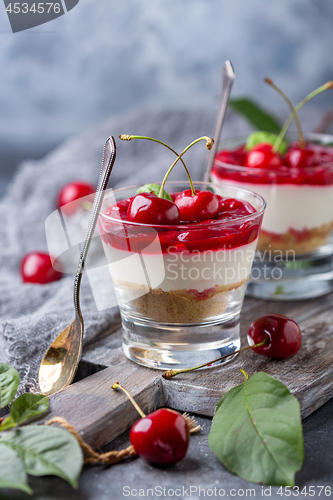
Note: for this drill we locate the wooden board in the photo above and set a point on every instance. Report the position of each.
(100, 414)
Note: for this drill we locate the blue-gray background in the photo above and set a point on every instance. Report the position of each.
(106, 57)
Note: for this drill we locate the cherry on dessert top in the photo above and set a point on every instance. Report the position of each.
(316, 167)
(236, 228)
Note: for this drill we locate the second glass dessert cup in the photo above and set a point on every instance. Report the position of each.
(295, 249)
(180, 288)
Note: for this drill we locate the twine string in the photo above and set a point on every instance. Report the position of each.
(92, 457)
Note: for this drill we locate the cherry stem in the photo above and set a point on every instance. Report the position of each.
(244, 373)
(116, 385)
(172, 373)
(125, 137)
(209, 145)
(293, 111)
(326, 86)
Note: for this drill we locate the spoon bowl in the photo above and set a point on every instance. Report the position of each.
(60, 362)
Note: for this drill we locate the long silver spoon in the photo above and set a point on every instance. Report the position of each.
(228, 76)
(61, 360)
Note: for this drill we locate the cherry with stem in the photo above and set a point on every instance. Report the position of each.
(147, 208)
(162, 437)
(272, 335)
(209, 145)
(126, 137)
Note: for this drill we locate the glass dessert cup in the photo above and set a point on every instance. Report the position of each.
(180, 288)
(294, 258)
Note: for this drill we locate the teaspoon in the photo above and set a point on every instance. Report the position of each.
(228, 77)
(61, 360)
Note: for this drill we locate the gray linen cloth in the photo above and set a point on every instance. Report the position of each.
(31, 315)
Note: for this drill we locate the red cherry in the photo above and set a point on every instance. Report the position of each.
(204, 205)
(174, 196)
(324, 153)
(230, 207)
(234, 157)
(36, 267)
(284, 336)
(262, 156)
(71, 192)
(147, 208)
(300, 158)
(161, 437)
(119, 209)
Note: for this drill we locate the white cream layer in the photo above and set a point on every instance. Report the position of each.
(181, 270)
(290, 206)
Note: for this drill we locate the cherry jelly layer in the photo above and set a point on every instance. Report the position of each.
(320, 172)
(235, 225)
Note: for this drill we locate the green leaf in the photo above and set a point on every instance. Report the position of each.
(46, 450)
(12, 473)
(257, 432)
(153, 188)
(259, 137)
(9, 381)
(260, 119)
(24, 407)
(279, 290)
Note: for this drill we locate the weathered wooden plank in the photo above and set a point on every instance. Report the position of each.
(308, 375)
(100, 414)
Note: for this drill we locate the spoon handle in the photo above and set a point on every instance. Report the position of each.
(109, 156)
(228, 77)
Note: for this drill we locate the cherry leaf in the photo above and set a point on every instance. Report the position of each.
(257, 432)
(46, 450)
(155, 189)
(260, 137)
(12, 473)
(26, 406)
(9, 381)
(259, 118)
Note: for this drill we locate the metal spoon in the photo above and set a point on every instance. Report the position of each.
(228, 77)
(61, 360)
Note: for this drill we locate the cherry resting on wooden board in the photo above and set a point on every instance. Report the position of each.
(284, 335)
(273, 335)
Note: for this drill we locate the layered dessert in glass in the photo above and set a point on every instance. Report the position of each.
(296, 240)
(180, 287)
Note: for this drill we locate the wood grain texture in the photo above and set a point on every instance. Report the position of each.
(100, 414)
